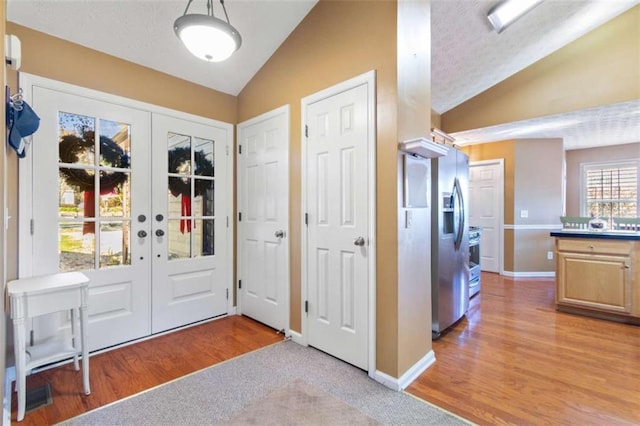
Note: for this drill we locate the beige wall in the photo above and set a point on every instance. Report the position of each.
(591, 155)
(600, 68)
(538, 189)
(538, 181)
(414, 241)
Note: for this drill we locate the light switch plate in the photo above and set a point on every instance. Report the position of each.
(524, 213)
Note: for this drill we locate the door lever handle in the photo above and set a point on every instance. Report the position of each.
(358, 241)
(279, 234)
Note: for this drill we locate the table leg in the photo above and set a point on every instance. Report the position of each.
(84, 324)
(74, 338)
(20, 355)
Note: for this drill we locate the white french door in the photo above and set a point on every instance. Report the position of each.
(137, 200)
(90, 185)
(189, 223)
(338, 196)
(263, 202)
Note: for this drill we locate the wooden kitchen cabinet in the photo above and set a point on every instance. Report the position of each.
(598, 276)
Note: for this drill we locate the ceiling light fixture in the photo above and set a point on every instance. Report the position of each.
(207, 37)
(507, 12)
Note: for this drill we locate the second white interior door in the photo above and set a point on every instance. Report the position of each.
(337, 202)
(263, 202)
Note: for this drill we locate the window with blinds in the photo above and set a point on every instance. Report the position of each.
(611, 190)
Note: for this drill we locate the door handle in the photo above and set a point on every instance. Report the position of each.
(358, 241)
(142, 234)
(159, 232)
(279, 234)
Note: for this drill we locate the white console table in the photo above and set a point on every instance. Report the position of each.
(31, 297)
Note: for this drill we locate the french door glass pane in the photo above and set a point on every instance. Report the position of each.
(203, 156)
(76, 249)
(115, 244)
(115, 190)
(72, 185)
(79, 198)
(203, 233)
(76, 138)
(115, 144)
(179, 154)
(190, 196)
(179, 244)
(203, 203)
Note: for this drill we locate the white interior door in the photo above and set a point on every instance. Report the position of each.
(88, 193)
(337, 252)
(263, 206)
(485, 210)
(189, 223)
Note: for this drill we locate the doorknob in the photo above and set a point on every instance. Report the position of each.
(159, 232)
(279, 234)
(359, 241)
(142, 234)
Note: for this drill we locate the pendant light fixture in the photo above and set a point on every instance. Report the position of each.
(207, 37)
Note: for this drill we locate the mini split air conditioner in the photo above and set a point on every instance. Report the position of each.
(12, 51)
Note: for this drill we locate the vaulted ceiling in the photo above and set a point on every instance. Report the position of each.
(468, 56)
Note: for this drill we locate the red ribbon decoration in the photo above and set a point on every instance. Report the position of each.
(90, 209)
(185, 211)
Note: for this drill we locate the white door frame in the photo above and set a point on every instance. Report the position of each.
(501, 228)
(285, 109)
(368, 78)
(25, 171)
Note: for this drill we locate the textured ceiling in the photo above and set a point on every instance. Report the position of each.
(468, 57)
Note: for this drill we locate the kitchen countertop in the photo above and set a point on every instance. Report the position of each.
(600, 235)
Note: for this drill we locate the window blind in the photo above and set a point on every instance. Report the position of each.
(612, 191)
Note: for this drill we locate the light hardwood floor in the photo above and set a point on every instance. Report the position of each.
(512, 360)
(515, 360)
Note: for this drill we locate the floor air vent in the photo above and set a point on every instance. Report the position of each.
(38, 397)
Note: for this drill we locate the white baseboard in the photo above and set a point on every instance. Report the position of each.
(233, 311)
(9, 376)
(408, 377)
(538, 274)
(297, 338)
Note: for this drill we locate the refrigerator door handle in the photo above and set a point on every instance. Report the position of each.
(459, 213)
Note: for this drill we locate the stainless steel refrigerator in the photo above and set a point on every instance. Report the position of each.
(449, 240)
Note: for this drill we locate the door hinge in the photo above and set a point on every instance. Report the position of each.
(239, 216)
(306, 306)
(239, 283)
(239, 149)
(227, 294)
(306, 219)
(227, 221)
(226, 149)
(31, 226)
(306, 131)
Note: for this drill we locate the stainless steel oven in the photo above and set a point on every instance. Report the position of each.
(474, 260)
